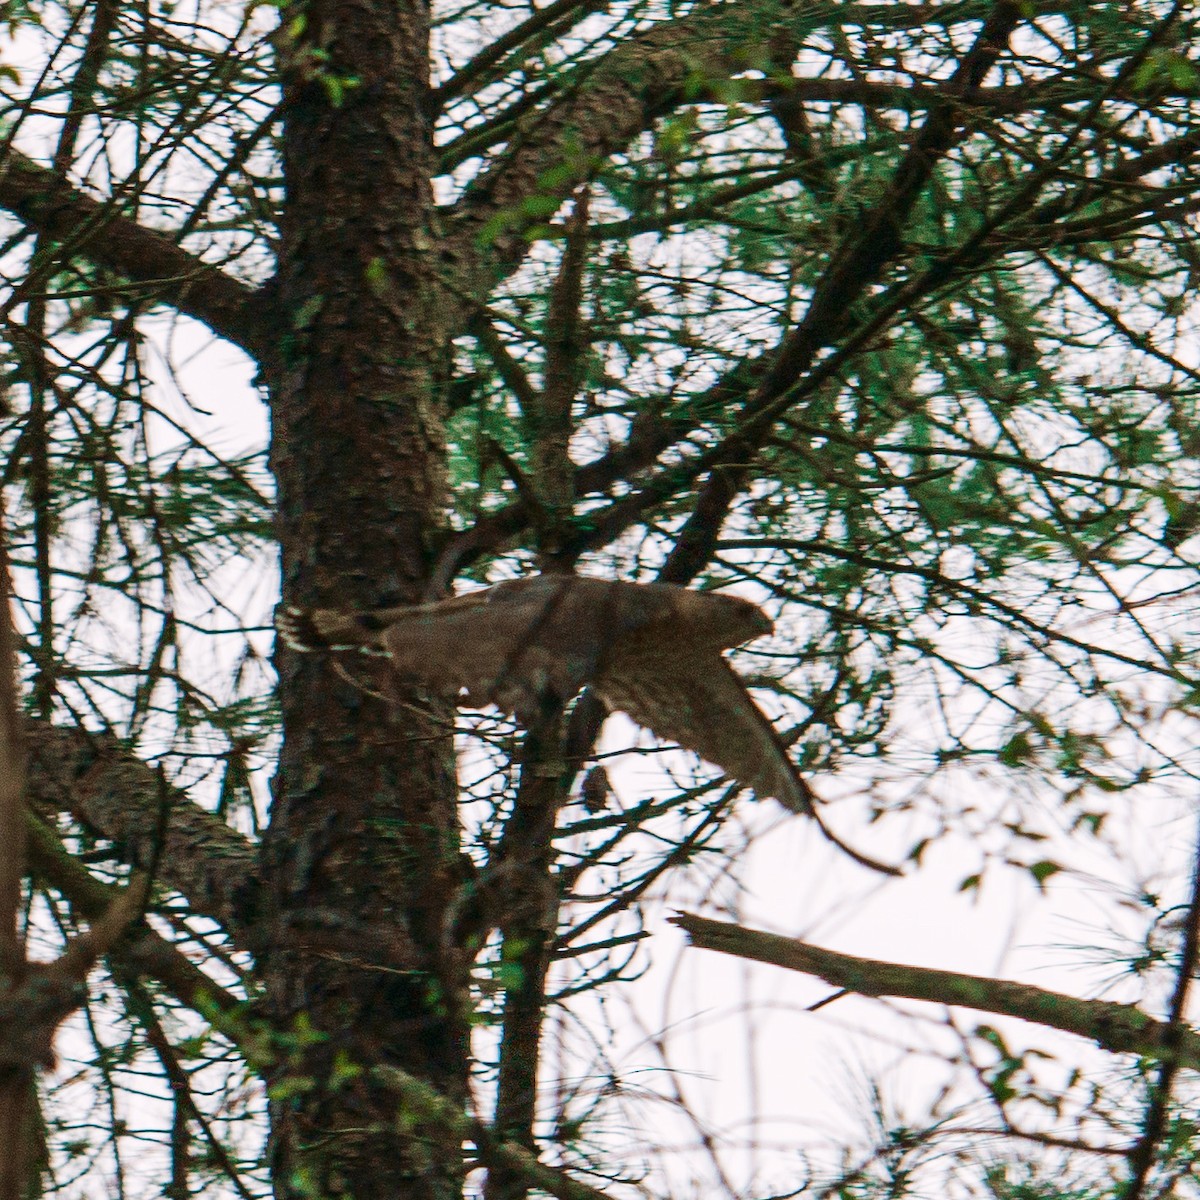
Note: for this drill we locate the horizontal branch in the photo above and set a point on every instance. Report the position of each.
(914, 97)
(1120, 1028)
(91, 228)
(98, 781)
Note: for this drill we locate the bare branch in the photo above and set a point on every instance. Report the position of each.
(1121, 1028)
(146, 257)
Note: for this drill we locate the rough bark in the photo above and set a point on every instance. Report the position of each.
(361, 857)
(98, 781)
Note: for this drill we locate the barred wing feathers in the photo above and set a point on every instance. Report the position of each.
(703, 705)
(530, 645)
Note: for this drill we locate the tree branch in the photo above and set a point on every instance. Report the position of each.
(141, 951)
(546, 22)
(874, 242)
(422, 1102)
(1120, 1028)
(231, 309)
(610, 102)
(93, 777)
(528, 923)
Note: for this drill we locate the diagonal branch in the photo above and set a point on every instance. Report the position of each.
(548, 22)
(747, 387)
(1154, 1122)
(93, 777)
(651, 434)
(148, 257)
(524, 859)
(1120, 1028)
(592, 117)
(566, 340)
(874, 243)
(877, 236)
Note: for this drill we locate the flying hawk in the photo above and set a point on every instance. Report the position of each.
(651, 650)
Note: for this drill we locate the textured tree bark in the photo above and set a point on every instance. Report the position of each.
(361, 859)
(91, 229)
(102, 783)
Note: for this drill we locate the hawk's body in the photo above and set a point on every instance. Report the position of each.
(651, 650)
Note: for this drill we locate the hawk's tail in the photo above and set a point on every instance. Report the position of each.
(326, 629)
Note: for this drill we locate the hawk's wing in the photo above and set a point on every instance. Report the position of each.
(527, 645)
(650, 650)
(530, 645)
(701, 703)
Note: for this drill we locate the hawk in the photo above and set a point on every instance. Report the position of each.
(650, 650)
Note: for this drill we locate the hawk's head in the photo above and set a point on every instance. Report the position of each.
(732, 619)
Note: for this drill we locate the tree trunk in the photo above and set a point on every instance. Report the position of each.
(361, 858)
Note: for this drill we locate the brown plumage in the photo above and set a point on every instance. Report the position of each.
(650, 650)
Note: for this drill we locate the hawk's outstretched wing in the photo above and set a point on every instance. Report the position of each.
(529, 645)
(701, 703)
(518, 646)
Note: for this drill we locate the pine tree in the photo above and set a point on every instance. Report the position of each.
(877, 315)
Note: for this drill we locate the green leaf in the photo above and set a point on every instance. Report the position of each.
(1017, 751)
(291, 1087)
(1043, 870)
(377, 278)
(540, 206)
(1165, 68)
(336, 86)
(1090, 821)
